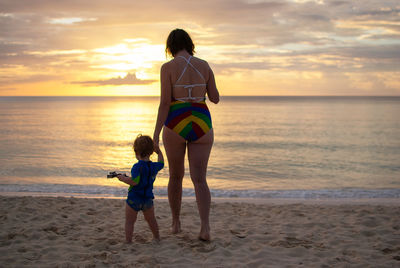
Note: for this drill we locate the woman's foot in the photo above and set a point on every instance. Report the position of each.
(205, 234)
(176, 227)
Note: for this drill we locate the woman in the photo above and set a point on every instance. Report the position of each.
(185, 81)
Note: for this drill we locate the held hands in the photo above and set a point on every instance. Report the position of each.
(157, 150)
(156, 142)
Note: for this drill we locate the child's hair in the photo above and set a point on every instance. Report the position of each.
(143, 145)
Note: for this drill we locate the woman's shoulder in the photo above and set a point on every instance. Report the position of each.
(173, 64)
(167, 67)
(167, 64)
(201, 61)
(200, 64)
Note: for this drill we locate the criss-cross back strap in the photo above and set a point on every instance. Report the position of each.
(184, 70)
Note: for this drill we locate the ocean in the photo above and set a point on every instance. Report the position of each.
(265, 147)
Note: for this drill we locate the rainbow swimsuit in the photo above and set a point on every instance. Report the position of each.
(190, 120)
(189, 116)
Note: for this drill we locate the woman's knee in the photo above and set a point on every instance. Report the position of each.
(176, 176)
(198, 172)
(199, 181)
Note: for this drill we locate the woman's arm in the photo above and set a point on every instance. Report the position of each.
(160, 157)
(212, 91)
(165, 101)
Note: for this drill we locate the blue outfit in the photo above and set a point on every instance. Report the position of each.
(140, 196)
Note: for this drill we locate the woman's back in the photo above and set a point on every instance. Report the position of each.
(189, 77)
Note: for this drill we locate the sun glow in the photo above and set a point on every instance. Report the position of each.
(69, 21)
(129, 56)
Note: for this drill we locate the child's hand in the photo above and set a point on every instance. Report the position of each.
(121, 177)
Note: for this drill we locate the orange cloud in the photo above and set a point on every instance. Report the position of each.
(129, 79)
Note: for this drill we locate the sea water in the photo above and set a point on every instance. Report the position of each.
(265, 147)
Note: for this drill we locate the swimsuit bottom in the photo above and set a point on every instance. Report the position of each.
(139, 204)
(190, 120)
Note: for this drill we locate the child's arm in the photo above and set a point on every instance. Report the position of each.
(128, 180)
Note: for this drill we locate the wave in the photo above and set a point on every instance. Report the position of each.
(112, 191)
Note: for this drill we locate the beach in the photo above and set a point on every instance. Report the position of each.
(89, 232)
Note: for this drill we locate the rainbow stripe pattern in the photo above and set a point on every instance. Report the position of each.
(191, 120)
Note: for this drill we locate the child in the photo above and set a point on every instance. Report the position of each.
(140, 195)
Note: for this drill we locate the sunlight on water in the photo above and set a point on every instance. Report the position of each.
(121, 123)
(260, 143)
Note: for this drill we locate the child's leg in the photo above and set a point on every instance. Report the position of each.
(130, 219)
(151, 220)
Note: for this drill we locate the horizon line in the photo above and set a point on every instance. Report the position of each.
(146, 96)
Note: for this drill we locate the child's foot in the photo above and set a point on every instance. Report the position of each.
(176, 227)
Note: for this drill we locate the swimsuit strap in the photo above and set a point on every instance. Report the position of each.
(184, 70)
(190, 97)
(191, 86)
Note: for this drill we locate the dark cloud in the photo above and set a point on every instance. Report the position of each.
(11, 48)
(350, 59)
(372, 52)
(129, 79)
(267, 23)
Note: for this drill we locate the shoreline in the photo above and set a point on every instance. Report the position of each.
(248, 200)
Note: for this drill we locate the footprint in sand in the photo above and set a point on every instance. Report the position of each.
(205, 248)
(239, 233)
(291, 242)
(138, 238)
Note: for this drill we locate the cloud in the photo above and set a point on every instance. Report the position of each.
(129, 79)
(266, 23)
(69, 20)
(236, 36)
(30, 79)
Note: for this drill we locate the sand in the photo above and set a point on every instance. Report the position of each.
(79, 232)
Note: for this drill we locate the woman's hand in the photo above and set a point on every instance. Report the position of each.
(156, 141)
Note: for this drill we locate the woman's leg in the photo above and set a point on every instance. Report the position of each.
(130, 219)
(198, 154)
(175, 147)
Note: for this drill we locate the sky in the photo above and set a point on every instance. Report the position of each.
(255, 47)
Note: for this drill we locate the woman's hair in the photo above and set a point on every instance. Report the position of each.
(143, 145)
(178, 40)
